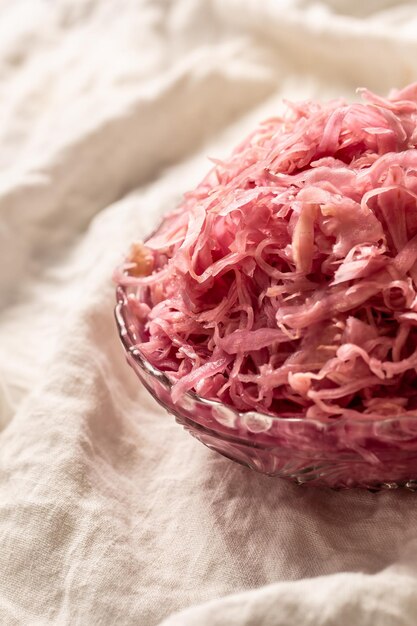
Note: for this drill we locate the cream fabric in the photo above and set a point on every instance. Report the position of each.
(109, 512)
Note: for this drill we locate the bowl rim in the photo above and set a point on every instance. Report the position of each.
(131, 348)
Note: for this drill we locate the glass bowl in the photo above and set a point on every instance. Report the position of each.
(343, 453)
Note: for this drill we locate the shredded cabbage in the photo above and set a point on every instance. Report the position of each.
(286, 282)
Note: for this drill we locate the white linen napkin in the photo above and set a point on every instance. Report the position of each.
(109, 512)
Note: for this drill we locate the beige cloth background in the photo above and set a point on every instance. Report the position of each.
(109, 512)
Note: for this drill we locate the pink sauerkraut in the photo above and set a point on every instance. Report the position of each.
(286, 282)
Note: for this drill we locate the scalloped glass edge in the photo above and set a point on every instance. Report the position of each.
(340, 454)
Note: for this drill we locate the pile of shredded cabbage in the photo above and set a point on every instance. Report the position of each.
(286, 282)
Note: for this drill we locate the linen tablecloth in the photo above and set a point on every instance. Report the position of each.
(109, 512)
